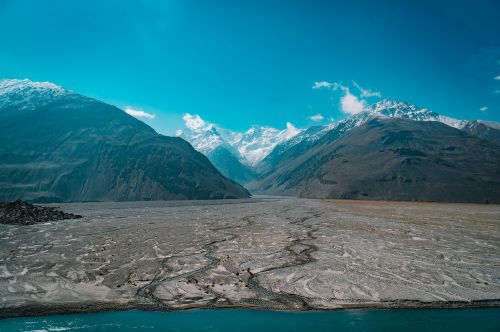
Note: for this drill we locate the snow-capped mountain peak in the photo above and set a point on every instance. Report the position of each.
(25, 86)
(16, 85)
(250, 146)
(383, 108)
(404, 110)
(397, 108)
(24, 92)
(202, 135)
(257, 142)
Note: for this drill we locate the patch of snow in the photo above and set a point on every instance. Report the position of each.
(25, 93)
(394, 109)
(15, 85)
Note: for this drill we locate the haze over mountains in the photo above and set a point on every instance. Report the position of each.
(57, 145)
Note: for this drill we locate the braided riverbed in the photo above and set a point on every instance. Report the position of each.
(267, 253)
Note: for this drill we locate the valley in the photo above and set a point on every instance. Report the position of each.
(60, 146)
(249, 166)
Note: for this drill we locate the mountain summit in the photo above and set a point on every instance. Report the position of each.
(57, 145)
(25, 93)
(404, 110)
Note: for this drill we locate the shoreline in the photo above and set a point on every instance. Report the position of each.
(68, 309)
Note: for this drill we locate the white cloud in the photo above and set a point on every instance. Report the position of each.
(139, 113)
(194, 122)
(326, 85)
(316, 117)
(178, 132)
(483, 109)
(351, 104)
(366, 92)
(497, 78)
(291, 130)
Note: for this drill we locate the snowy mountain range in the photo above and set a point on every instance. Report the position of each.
(250, 155)
(262, 147)
(250, 147)
(383, 108)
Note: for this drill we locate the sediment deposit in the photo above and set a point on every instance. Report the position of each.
(278, 253)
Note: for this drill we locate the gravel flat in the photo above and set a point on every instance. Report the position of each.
(265, 252)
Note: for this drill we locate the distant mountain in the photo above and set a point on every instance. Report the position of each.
(258, 141)
(392, 159)
(296, 146)
(273, 161)
(404, 110)
(229, 165)
(57, 145)
(206, 139)
(234, 154)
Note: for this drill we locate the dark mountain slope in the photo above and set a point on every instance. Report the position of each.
(66, 147)
(393, 159)
(229, 165)
(290, 149)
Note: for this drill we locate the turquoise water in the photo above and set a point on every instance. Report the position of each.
(261, 321)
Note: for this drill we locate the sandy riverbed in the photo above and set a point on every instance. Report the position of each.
(278, 253)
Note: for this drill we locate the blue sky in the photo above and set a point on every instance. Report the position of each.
(238, 63)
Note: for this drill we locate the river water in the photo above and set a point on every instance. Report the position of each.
(485, 319)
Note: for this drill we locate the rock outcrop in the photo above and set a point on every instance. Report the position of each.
(24, 213)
